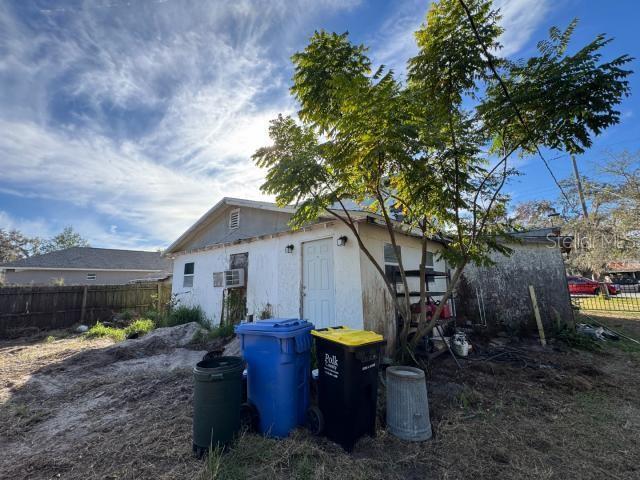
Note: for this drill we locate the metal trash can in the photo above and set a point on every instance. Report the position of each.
(217, 396)
(348, 362)
(407, 404)
(277, 352)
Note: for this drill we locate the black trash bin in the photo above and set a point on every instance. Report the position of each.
(217, 396)
(348, 362)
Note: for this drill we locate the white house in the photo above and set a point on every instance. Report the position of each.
(317, 273)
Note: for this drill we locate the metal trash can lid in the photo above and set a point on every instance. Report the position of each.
(406, 373)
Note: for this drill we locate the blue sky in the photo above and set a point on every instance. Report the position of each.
(130, 118)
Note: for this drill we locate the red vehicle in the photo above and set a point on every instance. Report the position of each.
(585, 286)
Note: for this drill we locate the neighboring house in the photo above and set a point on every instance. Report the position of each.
(87, 266)
(317, 273)
(625, 268)
(498, 295)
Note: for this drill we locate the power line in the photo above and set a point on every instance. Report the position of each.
(505, 90)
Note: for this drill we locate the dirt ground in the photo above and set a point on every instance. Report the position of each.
(76, 408)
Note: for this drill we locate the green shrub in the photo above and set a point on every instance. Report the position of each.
(99, 330)
(206, 334)
(126, 315)
(222, 331)
(183, 314)
(139, 328)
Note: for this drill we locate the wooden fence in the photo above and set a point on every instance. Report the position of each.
(30, 309)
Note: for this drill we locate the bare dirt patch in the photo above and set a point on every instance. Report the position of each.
(82, 408)
(87, 409)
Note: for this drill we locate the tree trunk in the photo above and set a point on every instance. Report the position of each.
(425, 328)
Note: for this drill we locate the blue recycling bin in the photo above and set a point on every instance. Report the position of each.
(277, 352)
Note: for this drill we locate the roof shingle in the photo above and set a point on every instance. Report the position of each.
(96, 258)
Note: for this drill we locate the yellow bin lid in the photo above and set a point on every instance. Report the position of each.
(348, 336)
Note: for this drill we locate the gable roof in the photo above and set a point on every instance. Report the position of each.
(218, 207)
(94, 258)
(356, 214)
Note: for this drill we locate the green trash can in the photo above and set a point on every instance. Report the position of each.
(217, 396)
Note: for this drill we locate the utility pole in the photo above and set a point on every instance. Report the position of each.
(579, 185)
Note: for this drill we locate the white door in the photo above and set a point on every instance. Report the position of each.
(318, 296)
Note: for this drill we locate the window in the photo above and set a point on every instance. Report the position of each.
(429, 267)
(391, 262)
(218, 279)
(234, 219)
(91, 276)
(187, 281)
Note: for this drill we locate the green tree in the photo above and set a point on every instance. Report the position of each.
(438, 147)
(610, 232)
(66, 239)
(534, 214)
(14, 245)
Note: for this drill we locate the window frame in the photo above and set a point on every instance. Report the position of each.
(390, 267)
(187, 278)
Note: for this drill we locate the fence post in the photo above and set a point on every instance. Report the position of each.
(84, 304)
(536, 311)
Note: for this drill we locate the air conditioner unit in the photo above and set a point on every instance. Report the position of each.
(234, 278)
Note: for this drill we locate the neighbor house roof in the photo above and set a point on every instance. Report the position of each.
(83, 258)
(623, 266)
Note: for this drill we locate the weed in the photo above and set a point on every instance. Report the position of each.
(221, 331)
(571, 338)
(99, 331)
(139, 328)
(127, 315)
(184, 314)
(136, 329)
(50, 339)
(204, 335)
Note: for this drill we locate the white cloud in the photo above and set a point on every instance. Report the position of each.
(115, 182)
(144, 112)
(147, 113)
(395, 43)
(32, 227)
(520, 18)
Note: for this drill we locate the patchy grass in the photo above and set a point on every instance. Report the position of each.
(139, 327)
(567, 413)
(569, 336)
(100, 331)
(136, 329)
(301, 457)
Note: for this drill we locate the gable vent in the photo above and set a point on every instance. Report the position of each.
(234, 218)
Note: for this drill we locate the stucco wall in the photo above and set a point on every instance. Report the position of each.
(73, 277)
(504, 288)
(274, 276)
(378, 305)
